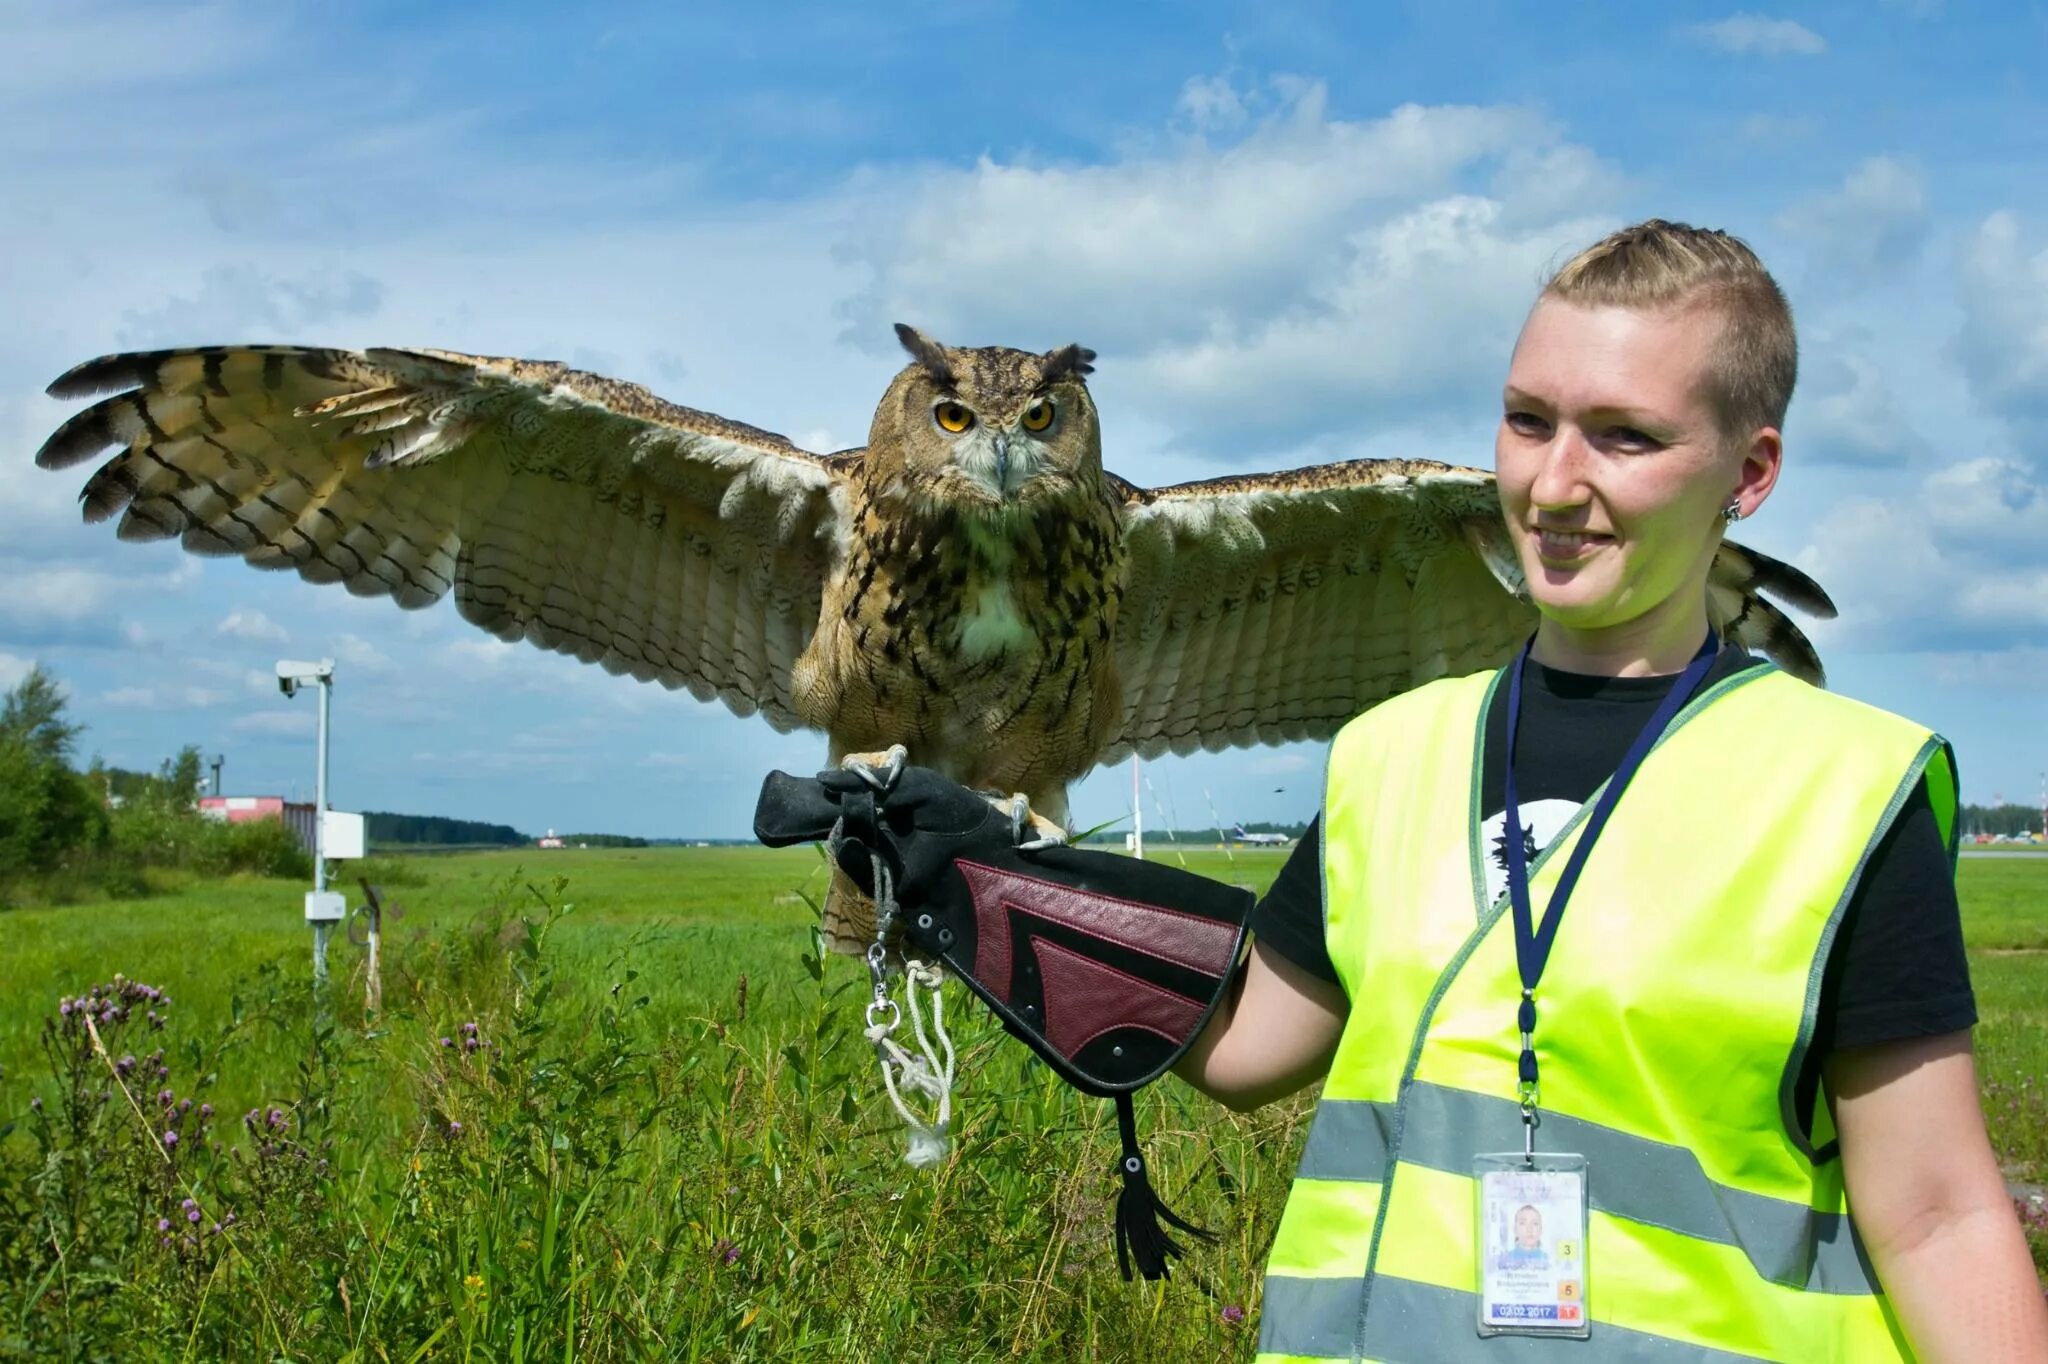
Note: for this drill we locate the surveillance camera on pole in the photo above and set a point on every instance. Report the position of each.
(324, 908)
(291, 672)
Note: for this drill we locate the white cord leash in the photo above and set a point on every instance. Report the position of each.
(906, 1075)
(921, 1073)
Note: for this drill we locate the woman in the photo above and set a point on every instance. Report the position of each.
(1746, 1044)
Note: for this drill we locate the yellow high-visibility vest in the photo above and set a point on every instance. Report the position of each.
(1677, 1008)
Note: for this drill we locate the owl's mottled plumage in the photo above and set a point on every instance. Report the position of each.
(989, 596)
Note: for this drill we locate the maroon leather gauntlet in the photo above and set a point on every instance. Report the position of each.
(1105, 966)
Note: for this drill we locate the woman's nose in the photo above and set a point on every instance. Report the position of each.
(1561, 476)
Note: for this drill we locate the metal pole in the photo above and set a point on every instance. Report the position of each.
(1137, 813)
(321, 929)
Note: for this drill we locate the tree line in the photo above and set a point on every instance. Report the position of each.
(2000, 819)
(69, 834)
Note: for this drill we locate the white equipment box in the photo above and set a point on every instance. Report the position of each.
(341, 836)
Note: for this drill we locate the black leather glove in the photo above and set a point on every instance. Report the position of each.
(915, 820)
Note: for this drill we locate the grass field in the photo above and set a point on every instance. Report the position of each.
(666, 1142)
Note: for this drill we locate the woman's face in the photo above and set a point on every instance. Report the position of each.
(1528, 1228)
(1613, 472)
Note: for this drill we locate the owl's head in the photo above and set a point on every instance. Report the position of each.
(987, 427)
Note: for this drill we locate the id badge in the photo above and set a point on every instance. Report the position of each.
(1532, 1244)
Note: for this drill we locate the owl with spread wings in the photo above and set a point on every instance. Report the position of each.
(972, 584)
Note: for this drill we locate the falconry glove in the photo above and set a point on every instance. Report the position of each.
(1077, 953)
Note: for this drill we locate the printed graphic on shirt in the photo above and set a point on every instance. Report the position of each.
(1542, 821)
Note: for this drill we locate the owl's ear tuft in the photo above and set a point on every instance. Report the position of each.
(927, 353)
(1058, 364)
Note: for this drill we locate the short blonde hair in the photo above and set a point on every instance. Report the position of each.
(1656, 265)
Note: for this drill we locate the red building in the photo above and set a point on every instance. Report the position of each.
(245, 809)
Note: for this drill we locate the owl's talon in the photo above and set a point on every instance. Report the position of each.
(864, 765)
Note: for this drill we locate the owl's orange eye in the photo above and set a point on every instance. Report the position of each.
(952, 417)
(1038, 416)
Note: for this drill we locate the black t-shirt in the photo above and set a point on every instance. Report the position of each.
(1897, 968)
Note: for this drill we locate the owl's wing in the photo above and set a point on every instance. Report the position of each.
(1274, 607)
(580, 513)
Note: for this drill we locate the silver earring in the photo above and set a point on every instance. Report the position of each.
(1732, 512)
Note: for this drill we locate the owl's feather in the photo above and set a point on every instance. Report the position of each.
(1274, 607)
(580, 513)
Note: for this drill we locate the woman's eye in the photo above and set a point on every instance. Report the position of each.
(1038, 416)
(1525, 423)
(1631, 438)
(952, 417)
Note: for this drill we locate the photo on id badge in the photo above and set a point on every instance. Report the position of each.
(1532, 1245)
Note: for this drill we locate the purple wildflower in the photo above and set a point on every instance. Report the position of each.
(165, 1097)
(192, 1215)
(163, 1224)
(470, 1044)
(469, 1028)
(454, 1128)
(184, 1105)
(447, 1041)
(725, 1252)
(124, 1065)
(206, 1110)
(170, 1140)
(189, 1204)
(1233, 1314)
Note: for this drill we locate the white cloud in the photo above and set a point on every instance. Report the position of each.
(355, 652)
(1311, 277)
(162, 698)
(2003, 343)
(1874, 222)
(12, 669)
(251, 625)
(275, 723)
(237, 299)
(1962, 563)
(1846, 410)
(1746, 35)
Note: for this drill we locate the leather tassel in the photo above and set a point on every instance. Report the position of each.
(1138, 1210)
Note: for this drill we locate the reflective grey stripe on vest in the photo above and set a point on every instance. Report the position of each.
(1418, 1323)
(1645, 1181)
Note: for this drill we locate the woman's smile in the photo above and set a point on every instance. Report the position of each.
(1567, 547)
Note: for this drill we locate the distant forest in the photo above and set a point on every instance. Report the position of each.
(385, 829)
(2000, 819)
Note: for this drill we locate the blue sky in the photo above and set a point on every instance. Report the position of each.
(1294, 233)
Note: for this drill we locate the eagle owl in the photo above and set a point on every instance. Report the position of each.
(972, 583)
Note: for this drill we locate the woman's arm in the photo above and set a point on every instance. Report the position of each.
(1930, 1202)
(1275, 1033)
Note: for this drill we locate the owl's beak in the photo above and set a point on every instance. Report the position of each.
(1002, 444)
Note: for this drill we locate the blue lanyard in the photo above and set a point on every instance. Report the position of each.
(1532, 946)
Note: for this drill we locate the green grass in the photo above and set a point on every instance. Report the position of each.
(672, 1147)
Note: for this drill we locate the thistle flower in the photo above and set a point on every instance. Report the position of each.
(192, 1215)
(163, 1224)
(1233, 1314)
(170, 1139)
